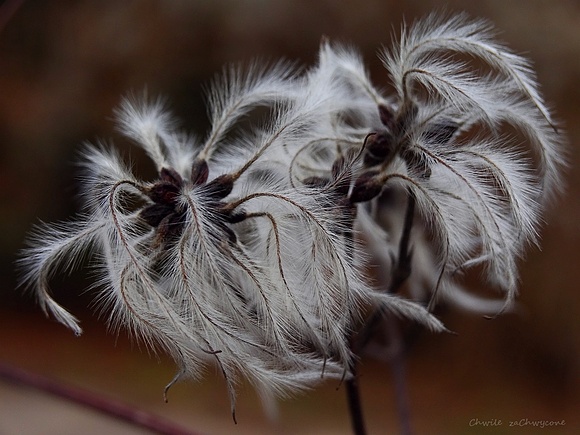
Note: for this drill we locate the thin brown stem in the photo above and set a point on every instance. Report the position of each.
(354, 402)
(106, 406)
(353, 395)
(396, 341)
(403, 267)
(398, 372)
(400, 274)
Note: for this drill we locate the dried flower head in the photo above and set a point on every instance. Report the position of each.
(468, 140)
(251, 248)
(211, 263)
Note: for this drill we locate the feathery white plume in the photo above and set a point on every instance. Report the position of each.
(252, 248)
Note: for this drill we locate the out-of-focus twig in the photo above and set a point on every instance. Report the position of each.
(104, 405)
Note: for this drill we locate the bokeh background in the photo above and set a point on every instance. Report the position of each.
(64, 66)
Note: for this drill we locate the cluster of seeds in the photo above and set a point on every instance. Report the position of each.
(253, 247)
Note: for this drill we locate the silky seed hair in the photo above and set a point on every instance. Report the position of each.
(257, 247)
(477, 150)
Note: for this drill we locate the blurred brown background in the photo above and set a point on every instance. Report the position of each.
(63, 68)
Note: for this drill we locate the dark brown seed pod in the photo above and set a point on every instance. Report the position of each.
(386, 115)
(377, 148)
(163, 192)
(237, 217)
(155, 213)
(366, 187)
(170, 175)
(221, 186)
(169, 228)
(199, 172)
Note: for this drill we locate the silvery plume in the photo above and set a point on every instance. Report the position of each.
(222, 259)
(454, 166)
(263, 247)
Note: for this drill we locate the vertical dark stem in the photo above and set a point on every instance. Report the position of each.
(354, 402)
(399, 275)
(352, 388)
(397, 363)
(396, 341)
(403, 267)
